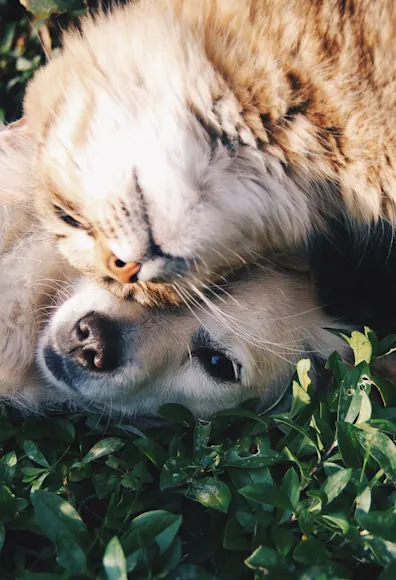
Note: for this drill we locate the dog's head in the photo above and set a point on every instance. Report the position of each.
(241, 343)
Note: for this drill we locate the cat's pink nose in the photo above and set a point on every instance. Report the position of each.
(124, 272)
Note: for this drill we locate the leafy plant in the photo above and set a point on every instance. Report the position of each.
(304, 493)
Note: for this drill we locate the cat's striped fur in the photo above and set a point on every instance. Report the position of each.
(186, 136)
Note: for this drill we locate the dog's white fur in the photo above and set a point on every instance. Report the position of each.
(30, 270)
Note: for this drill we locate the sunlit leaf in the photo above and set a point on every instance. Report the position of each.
(114, 561)
(102, 448)
(211, 493)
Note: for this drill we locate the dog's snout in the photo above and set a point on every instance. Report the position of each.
(94, 343)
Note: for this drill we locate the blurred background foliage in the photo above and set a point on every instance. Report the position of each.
(30, 30)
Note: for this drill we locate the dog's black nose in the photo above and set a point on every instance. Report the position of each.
(94, 343)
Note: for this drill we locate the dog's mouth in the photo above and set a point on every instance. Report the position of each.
(55, 364)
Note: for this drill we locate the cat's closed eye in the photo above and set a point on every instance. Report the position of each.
(68, 219)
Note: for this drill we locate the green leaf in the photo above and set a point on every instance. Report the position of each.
(241, 412)
(71, 555)
(8, 504)
(349, 444)
(201, 438)
(152, 450)
(306, 433)
(190, 572)
(34, 453)
(55, 516)
(387, 345)
(361, 346)
(114, 561)
(268, 495)
(157, 526)
(379, 523)
(234, 538)
(102, 448)
(380, 447)
(282, 538)
(291, 487)
(383, 551)
(311, 551)
(365, 409)
(349, 398)
(263, 457)
(383, 425)
(389, 573)
(267, 559)
(303, 368)
(174, 472)
(44, 8)
(211, 493)
(336, 522)
(175, 413)
(335, 483)
(8, 465)
(329, 571)
(2, 537)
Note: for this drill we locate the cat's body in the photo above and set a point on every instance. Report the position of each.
(180, 138)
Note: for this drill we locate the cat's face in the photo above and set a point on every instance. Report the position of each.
(148, 171)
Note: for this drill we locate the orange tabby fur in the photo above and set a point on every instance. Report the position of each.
(305, 88)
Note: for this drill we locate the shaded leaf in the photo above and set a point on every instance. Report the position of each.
(157, 526)
(380, 523)
(267, 494)
(152, 450)
(282, 538)
(55, 516)
(174, 472)
(310, 551)
(176, 414)
(335, 483)
(267, 559)
(71, 556)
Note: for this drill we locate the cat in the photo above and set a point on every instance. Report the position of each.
(176, 140)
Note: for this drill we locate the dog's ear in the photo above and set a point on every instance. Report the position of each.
(14, 136)
(16, 156)
(296, 260)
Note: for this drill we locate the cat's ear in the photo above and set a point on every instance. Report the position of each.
(295, 260)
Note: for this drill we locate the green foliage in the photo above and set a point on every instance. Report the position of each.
(305, 493)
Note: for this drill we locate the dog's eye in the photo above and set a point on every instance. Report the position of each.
(65, 217)
(218, 364)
